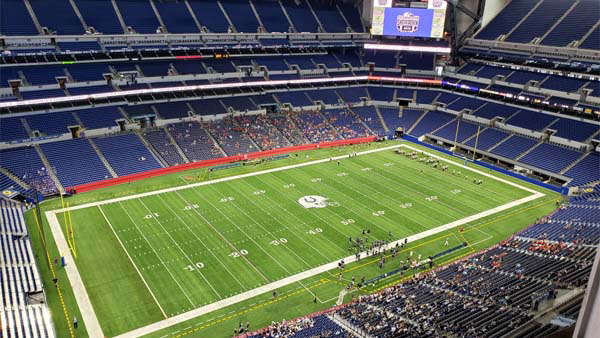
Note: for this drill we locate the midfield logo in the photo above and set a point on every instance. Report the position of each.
(313, 201)
(407, 23)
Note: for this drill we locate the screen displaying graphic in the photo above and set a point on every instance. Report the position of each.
(397, 19)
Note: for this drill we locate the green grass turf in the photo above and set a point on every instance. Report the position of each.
(163, 246)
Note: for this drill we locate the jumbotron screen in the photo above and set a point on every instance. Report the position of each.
(423, 19)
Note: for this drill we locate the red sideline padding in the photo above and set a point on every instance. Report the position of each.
(209, 163)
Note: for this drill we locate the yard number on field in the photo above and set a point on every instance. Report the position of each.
(226, 199)
(279, 241)
(242, 252)
(314, 231)
(347, 221)
(378, 213)
(193, 267)
(191, 206)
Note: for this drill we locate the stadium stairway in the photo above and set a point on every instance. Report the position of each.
(49, 169)
(385, 127)
(152, 150)
(177, 147)
(102, 158)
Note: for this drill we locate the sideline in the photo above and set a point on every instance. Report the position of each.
(87, 311)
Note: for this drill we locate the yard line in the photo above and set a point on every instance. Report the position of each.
(200, 240)
(277, 220)
(242, 231)
(180, 249)
(302, 221)
(235, 249)
(323, 220)
(156, 253)
(223, 179)
(131, 260)
(312, 272)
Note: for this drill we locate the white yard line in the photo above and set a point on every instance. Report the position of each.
(85, 306)
(131, 260)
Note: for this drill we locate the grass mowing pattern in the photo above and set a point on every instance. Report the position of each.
(198, 245)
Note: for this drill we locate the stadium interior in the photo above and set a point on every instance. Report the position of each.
(100, 99)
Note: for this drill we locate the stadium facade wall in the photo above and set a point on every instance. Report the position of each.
(561, 190)
(209, 163)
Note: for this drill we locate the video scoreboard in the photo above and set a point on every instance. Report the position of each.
(423, 19)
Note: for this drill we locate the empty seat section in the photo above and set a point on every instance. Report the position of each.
(381, 93)
(447, 98)
(491, 110)
(194, 141)
(522, 77)
(172, 110)
(530, 120)
(349, 57)
(329, 16)
(352, 14)
(295, 98)
(241, 15)
(449, 132)
(381, 59)
(426, 96)
(303, 62)
(107, 23)
(41, 94)
(416, 60)
(406, 94)
(273, 64)
(487, 139)
(352, 94)
(139, 15)
(210, 15)
(89, 90)
(99, 117)
(239, 103)
(301, 16)
(469, 68)
(328, 60)
(41, 75)
(176, 17)
(15, 20)
(430, 122)
(592, 41)
(189, 67)
(585, 171)
(573, 129)
(539, 21)
(155, 68)
(271, 15)
(506, 19)
(208, 107)
(577, 23)
(550, 157)
(514, 146)
(327, 96)
(88, 72)
(68, 157)
(11, 128)
(466, 103)
(564, 84)
(126, 154)
(51, 124)
(57, 15)
(490, 71)
(221, 66)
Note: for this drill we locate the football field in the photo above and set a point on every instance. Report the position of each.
(153, 256)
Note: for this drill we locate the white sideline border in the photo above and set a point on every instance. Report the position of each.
(87, 311)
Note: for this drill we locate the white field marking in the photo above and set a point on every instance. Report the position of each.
(156, 253)
(200, 240)
(217, 180)
(312, 272)
(180, 249)
(92, 325)
(87, 311)
(131, 260)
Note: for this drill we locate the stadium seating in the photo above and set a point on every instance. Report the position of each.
(539, 21)
(15, 20)
(487, 138)
(371, 118)
(162, 145)
(194, 141)
(260, 129)
(430, 122)
(20, 277)
(574, 25)
(58, 16)
(550, 157)
(346, 123)
(286, 126)
(513, 146)
(176, 17)
(230, 137)
(585, 171)
(314, 127)
(68, 167)
(126, 154)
